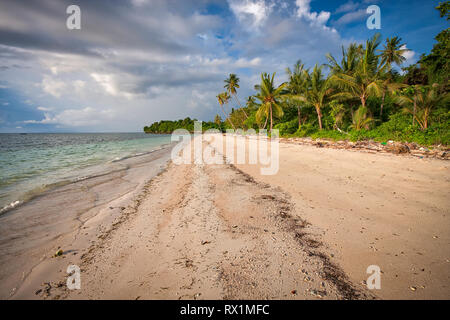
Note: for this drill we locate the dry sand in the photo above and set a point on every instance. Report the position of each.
(308, 232)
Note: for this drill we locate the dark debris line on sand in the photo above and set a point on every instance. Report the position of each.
(330, 271)
(405, 148)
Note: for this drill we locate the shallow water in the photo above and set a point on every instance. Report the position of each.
(30, 164)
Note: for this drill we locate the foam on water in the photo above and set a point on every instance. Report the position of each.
(34, 163)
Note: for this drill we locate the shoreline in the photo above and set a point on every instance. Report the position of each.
(46, 188)
(226, 232)
(58, 218)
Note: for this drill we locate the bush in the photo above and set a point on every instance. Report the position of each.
(287, 127)
(306, 130)
(329, 134)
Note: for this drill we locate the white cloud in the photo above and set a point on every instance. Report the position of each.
(202, 36)
(251, 12)
(316, 19)
(351, 17)
(107, 82)
(52, 86)
(346, 7)
(76, 117)
(44, 109)
(408, 54)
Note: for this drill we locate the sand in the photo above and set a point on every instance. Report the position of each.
(222, 231)
(68, 217)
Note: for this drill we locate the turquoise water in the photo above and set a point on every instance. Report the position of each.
(32, 163)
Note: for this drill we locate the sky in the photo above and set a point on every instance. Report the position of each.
(134, 62)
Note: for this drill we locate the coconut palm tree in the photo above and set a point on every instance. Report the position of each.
(350, 59)
(393, 52)
(365, 81)
(422, 102)
(297, 85)
(231, 84)
(223, 98)
(270, 98)
(317, 92)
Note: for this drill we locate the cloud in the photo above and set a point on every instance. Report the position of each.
(346, 7)
(409, 55)
(304, 11)
(135, 62)
(75, 117)
(352, 17)
(253, 13)
(52, 86)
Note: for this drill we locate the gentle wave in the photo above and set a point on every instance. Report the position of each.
(40, 190)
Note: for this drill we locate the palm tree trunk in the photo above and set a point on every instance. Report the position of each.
(382, 104)
(299, 117)
(225, 115)
(271, 119)
(319, 117)
(265, 123)
(425, 120)
(414, 111)
(237, 100)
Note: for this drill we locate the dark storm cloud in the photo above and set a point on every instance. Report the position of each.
(42, 25)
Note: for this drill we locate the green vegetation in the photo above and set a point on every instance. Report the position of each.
(167, 126)
(362, 96)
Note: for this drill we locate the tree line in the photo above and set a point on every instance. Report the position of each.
(360, 96)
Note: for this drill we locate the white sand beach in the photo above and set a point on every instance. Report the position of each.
(228, 232)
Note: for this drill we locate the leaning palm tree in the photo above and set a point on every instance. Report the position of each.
(393, 52)
(423, 101)
(365, 81)
(317, 92)
(270, 98)
(223, 98)
(231, 84)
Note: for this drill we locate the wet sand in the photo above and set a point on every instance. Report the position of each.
(68, 217)
(227, 232)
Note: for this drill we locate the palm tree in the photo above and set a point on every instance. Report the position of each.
(360, 119)
(231, 84)
(365, 80)
(317, 91)
(270, 98)
(393, 52)
(223, 98)
(297, 85)
(218, 121)
(350, 59)
(423, 101)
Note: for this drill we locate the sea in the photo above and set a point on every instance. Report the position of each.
(34, 163)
